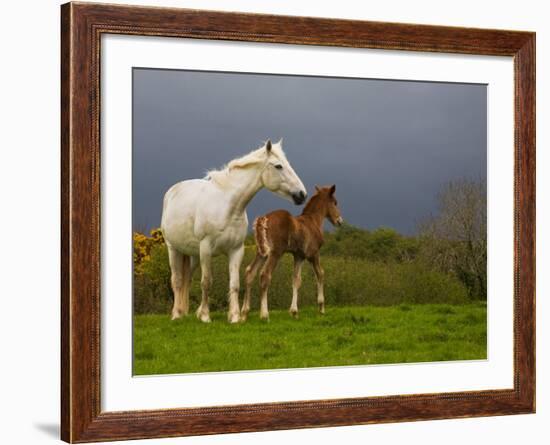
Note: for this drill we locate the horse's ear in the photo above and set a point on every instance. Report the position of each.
(280, 143)
(268, 146)
(333, 189)
(317, 189)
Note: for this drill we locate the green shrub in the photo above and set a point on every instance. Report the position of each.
(383, 244)
(152, 290)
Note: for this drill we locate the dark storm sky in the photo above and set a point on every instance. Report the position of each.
(387, 145)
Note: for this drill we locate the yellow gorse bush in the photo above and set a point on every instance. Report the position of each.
(143, 245)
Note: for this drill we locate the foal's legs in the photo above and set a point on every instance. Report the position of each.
(203, 312)
(235, 260)
(250, 274)
(265, 280)
(296, 283)
(178, 264)
(320, 275)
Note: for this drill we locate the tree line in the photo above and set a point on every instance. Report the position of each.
(452, 240)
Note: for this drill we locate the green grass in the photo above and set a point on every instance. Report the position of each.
(343, 336)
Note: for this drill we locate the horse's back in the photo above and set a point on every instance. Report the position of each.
(197, 209)
(178, 212)
(183, 188)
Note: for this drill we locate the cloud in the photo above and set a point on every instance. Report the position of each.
(389, 145)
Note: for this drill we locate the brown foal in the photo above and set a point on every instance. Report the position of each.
(279, 232)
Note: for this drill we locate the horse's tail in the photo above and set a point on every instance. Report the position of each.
(263, 246)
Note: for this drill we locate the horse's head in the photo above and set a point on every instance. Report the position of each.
(279, 177)
(332, 212)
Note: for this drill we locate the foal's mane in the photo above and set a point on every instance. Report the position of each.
(315, 203)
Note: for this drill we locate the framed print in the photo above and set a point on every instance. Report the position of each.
(274, 222)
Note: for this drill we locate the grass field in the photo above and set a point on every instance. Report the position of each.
(343, 336)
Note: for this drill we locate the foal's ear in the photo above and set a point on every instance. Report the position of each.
(332, 189)
(268, 146)
(317, 189)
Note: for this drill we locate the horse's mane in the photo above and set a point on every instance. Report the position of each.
(220, 176)
(312, 206)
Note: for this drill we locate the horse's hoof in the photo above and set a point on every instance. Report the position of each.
(204, 317)
(293, 313)
(322, 309)
(176, 314)
(264, 317)
(244, 316)
(234, 318)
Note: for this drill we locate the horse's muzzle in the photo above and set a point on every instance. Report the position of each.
(299, 197)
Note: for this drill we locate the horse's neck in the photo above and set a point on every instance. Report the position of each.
(317, 219)
(309, 236)
(242, 185)
(315, 214)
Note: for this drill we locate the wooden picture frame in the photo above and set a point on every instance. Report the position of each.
(82, 25)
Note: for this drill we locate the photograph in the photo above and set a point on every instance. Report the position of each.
(293, 221)
(280, 219)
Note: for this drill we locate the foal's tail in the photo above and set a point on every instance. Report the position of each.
(263, 246)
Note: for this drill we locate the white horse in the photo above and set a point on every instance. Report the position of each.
(202, 218)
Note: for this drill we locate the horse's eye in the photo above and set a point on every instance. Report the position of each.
(279, 167)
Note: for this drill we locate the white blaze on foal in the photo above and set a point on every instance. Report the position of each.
(202, 218)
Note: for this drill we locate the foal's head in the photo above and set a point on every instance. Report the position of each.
(324, 202)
